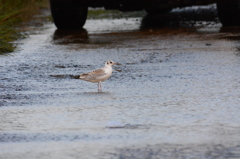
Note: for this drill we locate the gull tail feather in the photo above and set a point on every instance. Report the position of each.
(83, 76)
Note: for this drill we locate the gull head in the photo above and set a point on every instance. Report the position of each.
(110, 63)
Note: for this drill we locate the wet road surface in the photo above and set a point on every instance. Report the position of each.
(177, 94)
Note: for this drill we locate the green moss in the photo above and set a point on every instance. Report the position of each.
(100, 13)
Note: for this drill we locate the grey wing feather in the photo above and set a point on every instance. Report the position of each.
(93, 75)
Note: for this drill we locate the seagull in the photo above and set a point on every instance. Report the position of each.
(99, 75)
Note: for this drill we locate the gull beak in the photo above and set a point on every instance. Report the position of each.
(117, 64)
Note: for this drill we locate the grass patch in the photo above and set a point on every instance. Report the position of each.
(13, 12)
(100, 13)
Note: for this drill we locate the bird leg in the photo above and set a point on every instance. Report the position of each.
(100, 86)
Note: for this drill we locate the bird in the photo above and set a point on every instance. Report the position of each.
(99, 75)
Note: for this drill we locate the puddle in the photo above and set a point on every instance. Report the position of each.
(168, 99)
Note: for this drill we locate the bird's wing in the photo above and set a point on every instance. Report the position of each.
(93, 75)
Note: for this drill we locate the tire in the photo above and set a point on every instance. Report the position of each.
(67, 14)
(229, 12)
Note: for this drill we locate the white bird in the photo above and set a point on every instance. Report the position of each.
(99, 75)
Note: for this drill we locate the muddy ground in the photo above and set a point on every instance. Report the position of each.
(176, 94)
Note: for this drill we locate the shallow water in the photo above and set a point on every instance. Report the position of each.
(176, 94)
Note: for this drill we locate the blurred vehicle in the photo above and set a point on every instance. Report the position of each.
(72, 14)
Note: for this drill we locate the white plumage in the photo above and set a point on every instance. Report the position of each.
(99, 75)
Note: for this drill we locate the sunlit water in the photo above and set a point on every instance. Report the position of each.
(176, 94)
